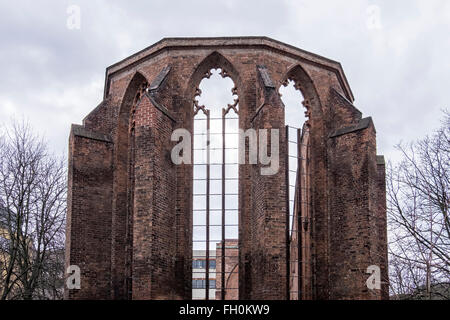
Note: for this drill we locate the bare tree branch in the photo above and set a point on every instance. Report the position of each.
(33, 206)
(418, 202)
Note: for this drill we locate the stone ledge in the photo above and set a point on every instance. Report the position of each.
(267, 80)
(363, 124)
(81, 131)
(156, 84)
(381, 161)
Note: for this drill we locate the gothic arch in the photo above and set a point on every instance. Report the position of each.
(121, 237)
(215, 60)
(133, 87)
(312, 140)
(202, 70)
(303, 82)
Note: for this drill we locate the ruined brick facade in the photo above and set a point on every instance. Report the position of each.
(129, 222)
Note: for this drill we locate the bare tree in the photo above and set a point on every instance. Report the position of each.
(33, 206)
(419, 226)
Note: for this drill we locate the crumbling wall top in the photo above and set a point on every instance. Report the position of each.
(264, 43)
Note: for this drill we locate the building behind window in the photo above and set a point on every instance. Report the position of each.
(199, 275)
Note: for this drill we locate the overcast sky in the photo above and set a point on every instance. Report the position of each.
(395, 53)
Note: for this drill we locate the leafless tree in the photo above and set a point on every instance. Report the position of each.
(418, 217)
(33, 206)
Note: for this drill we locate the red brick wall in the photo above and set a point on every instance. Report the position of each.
(231, 270)
(382, 239)
(88, 233)
(160, 198)
(154, 273)
(353, 238)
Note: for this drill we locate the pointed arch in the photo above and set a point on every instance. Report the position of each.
(123, 189)
(215, 60)
(133, 87)
(303, 82)
(202, 70)
(301, 251)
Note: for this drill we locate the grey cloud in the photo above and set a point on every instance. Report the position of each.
(399, 73)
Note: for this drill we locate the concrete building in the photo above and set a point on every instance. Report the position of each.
(199, 282)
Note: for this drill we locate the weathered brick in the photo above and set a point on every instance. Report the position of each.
(129, 223)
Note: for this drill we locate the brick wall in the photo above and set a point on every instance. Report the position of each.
(231, 270)
(88, 233)
(130, 208)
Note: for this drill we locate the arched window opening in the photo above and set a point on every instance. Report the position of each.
(215, 188)
(295, 118)
(142, 88)
(297, 112)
